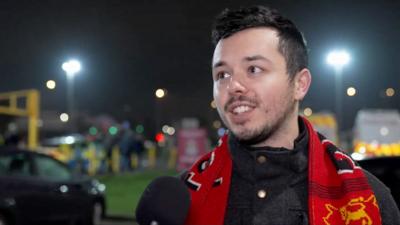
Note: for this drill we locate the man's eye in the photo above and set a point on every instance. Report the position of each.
(255, 69)
(222, 75)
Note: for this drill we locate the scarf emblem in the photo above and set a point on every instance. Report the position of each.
(356, 211)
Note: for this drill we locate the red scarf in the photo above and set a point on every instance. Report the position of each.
(339, 192)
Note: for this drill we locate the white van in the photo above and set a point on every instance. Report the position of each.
(376, 133)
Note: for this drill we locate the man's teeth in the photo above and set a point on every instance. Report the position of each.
(241, 109)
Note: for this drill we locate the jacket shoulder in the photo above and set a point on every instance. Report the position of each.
(387, 206)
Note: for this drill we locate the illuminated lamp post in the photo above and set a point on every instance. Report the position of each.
(338, 59)
(71, 68)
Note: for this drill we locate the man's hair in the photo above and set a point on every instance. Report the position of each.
(291, 42)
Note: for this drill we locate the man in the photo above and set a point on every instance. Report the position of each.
(272, 167)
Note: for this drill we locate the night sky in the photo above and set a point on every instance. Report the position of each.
(130, 48)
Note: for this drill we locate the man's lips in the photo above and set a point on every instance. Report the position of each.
(240, 104)
(240, 107)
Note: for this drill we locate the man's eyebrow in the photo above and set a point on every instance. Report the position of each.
(247, 59)
(219, 64)
(256, 57)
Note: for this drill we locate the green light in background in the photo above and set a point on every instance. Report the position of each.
(139, 129)
(113, 130)
(93, 131)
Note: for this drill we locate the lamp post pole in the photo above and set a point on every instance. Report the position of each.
(338, 59)
(71, 68)
(338, 95)
(160, 93)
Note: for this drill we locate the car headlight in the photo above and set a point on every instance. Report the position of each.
(98, 187)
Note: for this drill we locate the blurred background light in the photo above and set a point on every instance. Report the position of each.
(51, 84)
(164, 129)
(217, 124)
(160, 137)
(93, 131)
(390, 92)
(139, 129)
(307, 111)
(64, 117)
(113, 130)
(384, 131)
(351, 91)
(221, 131)
(213, 104)
(71, 67)
(357, 156)
(160, 93)
(171, 131)
(338, 58)
(69, 140)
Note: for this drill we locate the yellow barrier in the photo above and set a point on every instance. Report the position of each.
(173, 153)
(94, 162)
(115, 159)
(134, 161)
(31, 110)
(152, 156)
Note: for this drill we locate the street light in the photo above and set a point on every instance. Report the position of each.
(338, 59)
(51, 84)
(71, 68)
(160, 94)
(64, 117)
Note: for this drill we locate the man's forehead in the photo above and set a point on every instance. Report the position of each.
(260, 41)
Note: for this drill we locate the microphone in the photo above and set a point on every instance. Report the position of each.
(165, 201)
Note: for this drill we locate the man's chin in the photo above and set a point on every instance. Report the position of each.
(250, 137)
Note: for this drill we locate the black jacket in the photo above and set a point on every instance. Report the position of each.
(269, 186)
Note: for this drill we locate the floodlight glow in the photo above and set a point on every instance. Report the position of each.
(71, 67)
(51, 84)
(160, 93)
(351, 91)
(64, 117)
(338, 58)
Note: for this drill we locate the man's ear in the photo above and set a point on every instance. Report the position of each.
(302, 81)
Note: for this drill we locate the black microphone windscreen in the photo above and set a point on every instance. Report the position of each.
(165, 201)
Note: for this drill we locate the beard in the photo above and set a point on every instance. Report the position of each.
(258, 134)
(265, 131)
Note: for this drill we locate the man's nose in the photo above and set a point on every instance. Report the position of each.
(237, 85)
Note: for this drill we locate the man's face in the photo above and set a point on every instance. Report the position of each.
(252, 89)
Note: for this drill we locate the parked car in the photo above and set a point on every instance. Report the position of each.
(37, 189)
(387, 169)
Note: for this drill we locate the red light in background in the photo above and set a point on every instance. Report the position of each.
(160, 137)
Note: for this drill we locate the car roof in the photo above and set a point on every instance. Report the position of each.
(15, 150)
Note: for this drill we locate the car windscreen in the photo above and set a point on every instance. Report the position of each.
(50, 169)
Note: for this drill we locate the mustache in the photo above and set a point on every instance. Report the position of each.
(240, 98)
